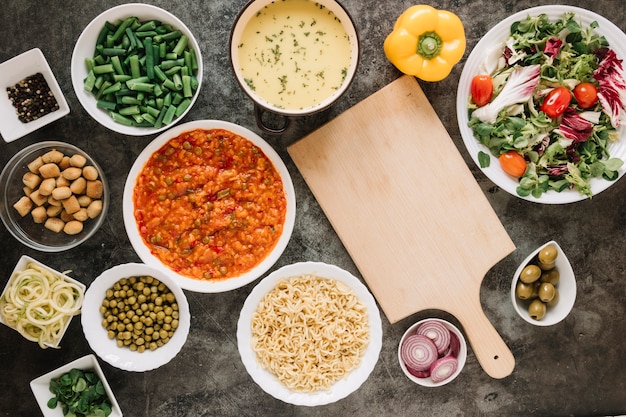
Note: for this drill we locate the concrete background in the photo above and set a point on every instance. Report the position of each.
(576, 368)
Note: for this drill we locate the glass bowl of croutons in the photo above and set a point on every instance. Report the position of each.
(54, 196)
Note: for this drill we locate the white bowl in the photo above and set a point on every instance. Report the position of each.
(265, 379)
(41, 386)
(21, 266)
(185, 282)
(566, 288)
(254, 9)
(107, 349)
(461, 358)
(85, 46)
(495, 39)
(15, 70)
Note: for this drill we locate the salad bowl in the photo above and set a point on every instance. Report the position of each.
(493, 42)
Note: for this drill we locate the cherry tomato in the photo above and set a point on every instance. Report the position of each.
(556, 102)
(513, 163)
(586, 94)
(481, 89)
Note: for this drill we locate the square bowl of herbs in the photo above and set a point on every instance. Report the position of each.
(78, 388)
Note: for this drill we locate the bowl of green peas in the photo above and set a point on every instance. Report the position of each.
(136, 69)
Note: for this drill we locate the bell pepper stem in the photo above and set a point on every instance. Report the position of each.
(429, 45)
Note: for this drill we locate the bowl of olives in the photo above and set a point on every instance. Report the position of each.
(543, 289)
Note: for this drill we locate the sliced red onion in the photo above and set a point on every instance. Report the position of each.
(443, 368)
(418, 352)
(455, 345)
(438, 333)
(418, 374)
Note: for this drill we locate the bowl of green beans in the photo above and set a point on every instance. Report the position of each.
(136, 69)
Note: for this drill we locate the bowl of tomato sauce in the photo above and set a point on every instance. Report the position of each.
(210, 203)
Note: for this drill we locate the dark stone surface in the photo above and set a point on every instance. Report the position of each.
(574, 368)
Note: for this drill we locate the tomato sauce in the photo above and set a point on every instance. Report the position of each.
(210, 204)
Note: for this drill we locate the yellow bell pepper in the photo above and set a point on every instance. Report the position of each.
(426, 42)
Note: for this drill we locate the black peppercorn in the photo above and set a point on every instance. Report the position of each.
(32, 98)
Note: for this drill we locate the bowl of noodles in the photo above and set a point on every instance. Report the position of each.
(329, 311)
(39, 302)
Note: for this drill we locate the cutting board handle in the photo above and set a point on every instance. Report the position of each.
(492, 353)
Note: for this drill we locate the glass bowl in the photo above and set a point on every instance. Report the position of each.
(24, 228)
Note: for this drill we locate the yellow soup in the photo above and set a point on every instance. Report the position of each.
(294, 53)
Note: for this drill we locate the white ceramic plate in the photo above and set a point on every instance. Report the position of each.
(265, 379)
(41, 386)
(105, 348)
(566, 287)
(86, 44)
(21, 266)
(208, 286)
(495, 39)
(15, 70)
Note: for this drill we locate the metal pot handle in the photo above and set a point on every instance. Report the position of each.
(258, 115)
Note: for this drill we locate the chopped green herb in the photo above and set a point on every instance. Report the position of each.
(80, 394)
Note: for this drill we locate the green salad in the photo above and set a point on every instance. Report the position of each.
(549, 104)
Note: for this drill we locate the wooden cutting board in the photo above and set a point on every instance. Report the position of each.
(409, 211)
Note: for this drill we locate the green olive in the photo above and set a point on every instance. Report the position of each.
(552, 276)
(535, 293)
(537, 309)
(547, 257)
(548, 254)
(554, 300)
(523, 291)
(545, 266)
(546, 292)
(530, 273)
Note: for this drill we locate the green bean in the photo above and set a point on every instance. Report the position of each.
(90, 81)
(169, 115)
(149, 33)
(142, 73)
(117, 65)
(181, 45)
(130, 100)
(113, 88)
(103, 69)
(121, 119)
(147, 43)
(103, 104)
(114, 51)
(186, 83)
(127, 111)
(121, 77)
(149, 25)
(178, 82)
(182, 107)
(139, 86)
(122, 28)
(135, 71)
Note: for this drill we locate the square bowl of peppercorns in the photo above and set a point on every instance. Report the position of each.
(31, 97)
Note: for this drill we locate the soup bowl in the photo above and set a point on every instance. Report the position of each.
(293, 58)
